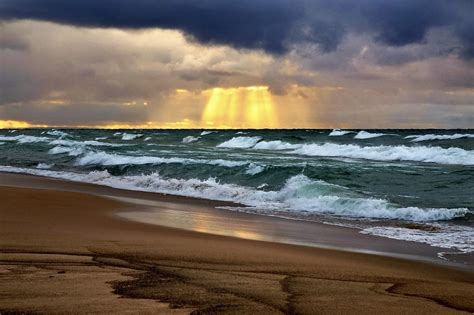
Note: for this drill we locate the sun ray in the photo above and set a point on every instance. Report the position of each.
(249, 107)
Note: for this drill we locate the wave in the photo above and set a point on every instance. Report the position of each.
(57, 133)
(24, 139)
(207, 132)
(299, 194)
(190, 139)
(69, 150)
(454, 156)
(240, 142)
(458, 237)
(254, 169)
(128, 136)
(93, 143)
(368, 135)
(430, 137)
(390, 153)
(275, 145)
(339, 132)
(107, 159)
(44, 166)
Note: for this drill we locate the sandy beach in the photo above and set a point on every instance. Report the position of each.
(65, 249)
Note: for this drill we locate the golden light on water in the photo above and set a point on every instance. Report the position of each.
(246, 107)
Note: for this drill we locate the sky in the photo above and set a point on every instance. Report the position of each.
(237, 64)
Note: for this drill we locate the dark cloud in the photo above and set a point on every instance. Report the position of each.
(273, 25)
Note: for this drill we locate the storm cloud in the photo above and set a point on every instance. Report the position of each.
(274, 26)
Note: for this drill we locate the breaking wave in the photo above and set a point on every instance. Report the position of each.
(368, 135)
(339, 132)
(190, 139)
(390, 153)
(107, 159)
(377, 153)
(299, 193)
(240, 142)
(431, 137)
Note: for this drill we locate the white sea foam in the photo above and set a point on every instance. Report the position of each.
(275, 145)
(390, 153)
(58, 133)
(240, 142)
(207, 132)
(93, 143)
(190, 139)
(368, 135)
(44, 166)
(106, 159)
(339, 132)
(446, 236)
(147, 139)
(24, 139)
(70, 150)
(128, 136)
(254, 169)
(431, 137)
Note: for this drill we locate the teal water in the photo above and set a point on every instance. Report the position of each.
(378, 180)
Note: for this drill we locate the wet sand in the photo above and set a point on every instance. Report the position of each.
(68, 251)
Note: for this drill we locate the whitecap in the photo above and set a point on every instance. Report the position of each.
(431, 137)
(207, 132)
(275, 145)
(254, 169)
(368, 135)
(190, 139)
(390, 153)
(240, 142)
(339, 132)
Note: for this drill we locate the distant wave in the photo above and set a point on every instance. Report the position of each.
(128, 136)
(275, 145)
(107, 159)
(24, 139)
(430, 137)
(339, 132)
(84, 143)
(377, 153)
(299, 193)
(368, 135)
(240, 142)
(390, 153)
(207, 132)
(54, 132)
(190, 139)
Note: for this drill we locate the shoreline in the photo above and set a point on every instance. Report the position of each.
(257, 227)
(61, 240)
